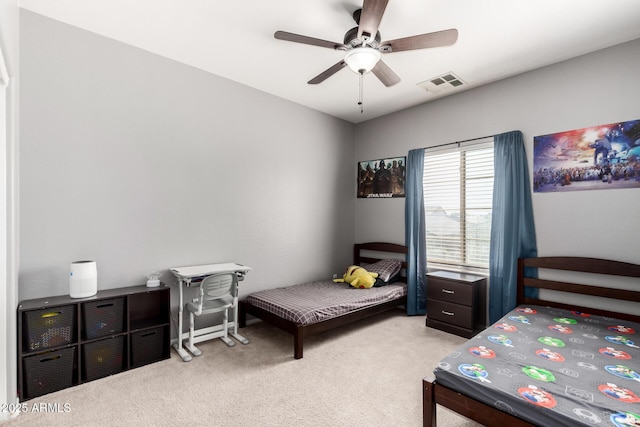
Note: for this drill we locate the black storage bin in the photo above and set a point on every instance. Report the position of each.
(102, 318)
(49, 327)
(102, 358)
(147, 346)
(48, 372)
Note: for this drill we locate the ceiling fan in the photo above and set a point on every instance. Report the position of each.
(364, 48)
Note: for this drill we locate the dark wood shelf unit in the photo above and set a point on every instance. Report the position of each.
(66, 341)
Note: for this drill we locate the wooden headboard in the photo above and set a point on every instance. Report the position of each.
(362, 252)
(580, 265)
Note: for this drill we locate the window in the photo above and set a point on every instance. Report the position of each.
(458, 193)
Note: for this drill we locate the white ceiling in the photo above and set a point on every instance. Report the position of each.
(234, 39)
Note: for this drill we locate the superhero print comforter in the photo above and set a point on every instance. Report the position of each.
(552, 367)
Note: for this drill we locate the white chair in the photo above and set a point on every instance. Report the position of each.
(218, 293)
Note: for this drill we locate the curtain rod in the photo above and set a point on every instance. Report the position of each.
(459, 142)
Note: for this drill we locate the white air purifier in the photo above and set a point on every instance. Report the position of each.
(83, 279)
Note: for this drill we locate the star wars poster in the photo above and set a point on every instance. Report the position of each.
(383, 178)
(594, 158)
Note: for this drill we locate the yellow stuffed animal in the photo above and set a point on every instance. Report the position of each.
(358, 277)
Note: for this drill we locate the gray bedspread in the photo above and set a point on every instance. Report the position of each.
(314, 302)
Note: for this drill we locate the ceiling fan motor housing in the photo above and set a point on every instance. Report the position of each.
(351, 39)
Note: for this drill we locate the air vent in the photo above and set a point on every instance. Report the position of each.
(445, 82)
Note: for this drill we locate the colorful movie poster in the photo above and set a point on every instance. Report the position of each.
(383, 178)
(594, 158)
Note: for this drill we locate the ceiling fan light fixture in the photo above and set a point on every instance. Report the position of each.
(362, 59)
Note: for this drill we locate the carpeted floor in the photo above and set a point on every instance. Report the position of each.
(367, 374)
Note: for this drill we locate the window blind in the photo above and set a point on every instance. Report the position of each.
(458, 193)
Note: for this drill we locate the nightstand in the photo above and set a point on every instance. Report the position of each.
(456, 302)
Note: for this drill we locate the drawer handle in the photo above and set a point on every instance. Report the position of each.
(50, 314)
(447, 291)
(109, 304)
(448, 313)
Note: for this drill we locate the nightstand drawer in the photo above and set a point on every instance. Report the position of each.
(448, 312)
(449, 290)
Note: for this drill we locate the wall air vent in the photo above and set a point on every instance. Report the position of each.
(445, 82)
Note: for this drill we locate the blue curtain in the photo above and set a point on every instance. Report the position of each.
(513, 233)
(415, 234)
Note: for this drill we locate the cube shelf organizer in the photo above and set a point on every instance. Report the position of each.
(66, 341)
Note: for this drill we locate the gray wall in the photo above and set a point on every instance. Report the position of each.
(599, 88)
(8, 135)
(143, 163)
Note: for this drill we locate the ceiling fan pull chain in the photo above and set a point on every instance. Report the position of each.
(360, 96)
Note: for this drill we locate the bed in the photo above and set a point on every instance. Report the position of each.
(545, 362)
(311, 308)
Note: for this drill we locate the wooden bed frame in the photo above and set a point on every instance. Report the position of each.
(434, 393)
(360, 255)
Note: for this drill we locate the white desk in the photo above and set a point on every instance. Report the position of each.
(194, 274)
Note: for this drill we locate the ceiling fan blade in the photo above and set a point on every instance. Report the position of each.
(385, 74)
(297, 38)
(370, 17)
(327, 73)
(423, 41)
